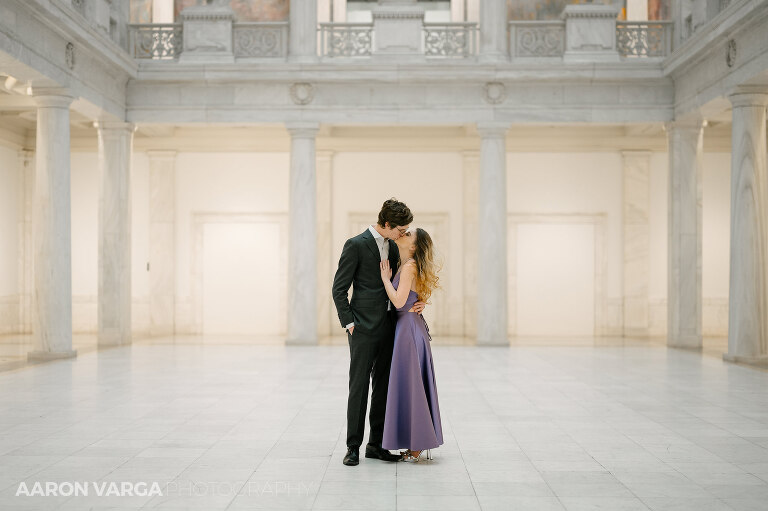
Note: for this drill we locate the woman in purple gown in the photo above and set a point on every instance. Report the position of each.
(412, 418)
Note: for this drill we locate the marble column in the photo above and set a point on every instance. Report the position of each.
(685, 140)
(493, 30)
(26, 239)
(492, 236)
(302, 44)
(471, 179)
(162, 242)
(636, 209)
(114, 308)
(326, 312)
(748, 294)
(302, 236)
(52, 301)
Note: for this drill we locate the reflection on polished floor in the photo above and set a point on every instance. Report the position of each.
(613, 425)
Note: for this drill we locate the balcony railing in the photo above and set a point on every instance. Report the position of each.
(448, 40)
(346, 39)
(156, 41)
(527, 39)
(644, 38)
(260, 39)
(536, 39)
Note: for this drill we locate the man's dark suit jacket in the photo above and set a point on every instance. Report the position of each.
(359, 267)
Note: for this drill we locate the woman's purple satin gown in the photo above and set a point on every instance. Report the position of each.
(412, 419)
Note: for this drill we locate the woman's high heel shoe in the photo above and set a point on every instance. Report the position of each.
(409, 457)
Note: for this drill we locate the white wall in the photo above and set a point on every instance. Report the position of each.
(716, 216)
(573, 184)
(140, 242)
(9, 235)
(220, 185)
(9, 217)
(85, 240)
(429, 182)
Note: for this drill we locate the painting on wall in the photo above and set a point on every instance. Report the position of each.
(539, 10)
(659, 9)
(536, 9)
(141, 11)
(245, 10)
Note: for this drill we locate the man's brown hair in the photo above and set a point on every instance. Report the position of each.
(394, 212)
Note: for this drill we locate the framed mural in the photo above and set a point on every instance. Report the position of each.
(543, 10)
(141, 11)
(245, 10)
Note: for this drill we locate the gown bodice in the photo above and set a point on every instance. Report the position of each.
(412, 296)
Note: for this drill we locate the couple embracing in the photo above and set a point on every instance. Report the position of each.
(392, 272)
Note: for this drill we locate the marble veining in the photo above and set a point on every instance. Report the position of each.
(748, 321)
(302, 237)
(114, 310)
(492, 236)
(52, 299)
(684, 235)
(631, 425)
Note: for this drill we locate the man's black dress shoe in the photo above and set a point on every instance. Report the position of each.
(374, 451)
(353, 456)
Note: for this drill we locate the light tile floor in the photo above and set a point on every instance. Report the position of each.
(628, 425)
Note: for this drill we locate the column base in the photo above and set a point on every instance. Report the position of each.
(113, 340)
(738, 359)
(44, 356)
(302, 341)
(689, 343)
(493, 342)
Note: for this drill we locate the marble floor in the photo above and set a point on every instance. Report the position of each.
(628, 425)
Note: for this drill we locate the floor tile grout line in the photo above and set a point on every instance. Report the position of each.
(266, 455)
(330, 458)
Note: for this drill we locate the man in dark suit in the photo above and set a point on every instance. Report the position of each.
(369, 319)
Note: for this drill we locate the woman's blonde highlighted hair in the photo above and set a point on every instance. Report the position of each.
(426, 267)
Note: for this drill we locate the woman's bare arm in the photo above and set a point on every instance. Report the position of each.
(398, 296)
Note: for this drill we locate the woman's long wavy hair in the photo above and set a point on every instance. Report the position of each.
(426, 267)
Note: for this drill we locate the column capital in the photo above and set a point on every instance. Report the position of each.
(693, 123)
(114, 126)
(161, 154)
(302, 129)
(52, 97)
(492, 129)
(748, 95)
(635, 153)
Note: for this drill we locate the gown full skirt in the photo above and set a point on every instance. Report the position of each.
(412, 418)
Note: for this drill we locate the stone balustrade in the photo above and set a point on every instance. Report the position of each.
(346, 39)
(450, 40)
(587, 32)
(644, 38)
(158, 41)
(633, 39)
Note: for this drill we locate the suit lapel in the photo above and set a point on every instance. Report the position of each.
(372, 244)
